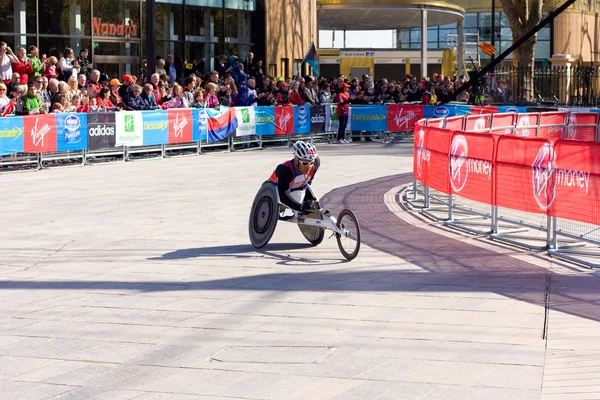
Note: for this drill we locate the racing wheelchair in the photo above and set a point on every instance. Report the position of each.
(267, 210)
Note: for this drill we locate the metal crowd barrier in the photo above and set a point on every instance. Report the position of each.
(563, 238)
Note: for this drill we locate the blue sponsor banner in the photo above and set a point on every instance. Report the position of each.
(461, 110)
(302, 119)
(369, 118)
(265, 120)
(11, 135)
(512, 109)
(443, 111)
(200, 131)
(156, 127)
(71, 132)
(596, 110)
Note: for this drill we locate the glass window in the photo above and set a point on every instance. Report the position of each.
(53, 46)
(415, 36)
(216, 17)
(116, 49)
(169, 48)
(449, 26)
(195, 29)
(506, 34)
(196, 52)
(116, 19)
(432, 34)
(247, 5)
(404, 38)
(470, 20)
(169, 22)
(7, 17)
(544, 34)
(64, 18)
(205, 3)
(505, 45)
(432, 45)
(542, 50)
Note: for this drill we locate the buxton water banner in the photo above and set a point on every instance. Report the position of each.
(302, 119)
(200, 131)
(71, 132)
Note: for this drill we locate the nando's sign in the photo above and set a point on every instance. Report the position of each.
(121, 29)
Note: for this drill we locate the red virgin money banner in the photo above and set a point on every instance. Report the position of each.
(553, 124)
(403, 118)
(582, 126)
(575, 181)
(471, 165)
(431, 157)
(484, 109)
(478, 122)
(524, 173)
(40, 133)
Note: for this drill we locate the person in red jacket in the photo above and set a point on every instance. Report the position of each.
(22, 65)
(342, 109)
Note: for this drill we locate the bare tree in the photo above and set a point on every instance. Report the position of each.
(523, 15)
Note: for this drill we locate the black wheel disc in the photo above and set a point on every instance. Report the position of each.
(263, 215)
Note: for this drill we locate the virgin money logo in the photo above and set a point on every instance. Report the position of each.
(572, 130)
(458, 163)
(403, 120)
(423, 155)
(524, 122)
(480, 124)
(283, 120)
(38, 135)
(179, 125)
(544, 181)
(441, 112)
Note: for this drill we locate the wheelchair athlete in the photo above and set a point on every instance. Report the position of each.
(293, 176)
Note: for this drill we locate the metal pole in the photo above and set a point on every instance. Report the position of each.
(460, 61)
(423, 41)
(150, 38)
(512, 48)
(493, 26)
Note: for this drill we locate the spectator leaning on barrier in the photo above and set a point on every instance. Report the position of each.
(325, 94)
(134, 100)
(247, 95)
(283, 98)
(148, 97)
(17, 101)
(211, 98)
(295, 96)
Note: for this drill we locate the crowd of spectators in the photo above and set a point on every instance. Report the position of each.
(36, 84)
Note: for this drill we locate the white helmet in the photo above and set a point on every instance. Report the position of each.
(304, 151)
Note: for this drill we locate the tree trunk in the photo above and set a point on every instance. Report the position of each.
(523, 60)
(523, 15)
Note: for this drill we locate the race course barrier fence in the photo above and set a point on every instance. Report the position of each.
(503, 175)
(38, 138)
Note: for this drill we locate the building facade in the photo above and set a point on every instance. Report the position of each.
(114, 30)
(575, 32)
(282, 31)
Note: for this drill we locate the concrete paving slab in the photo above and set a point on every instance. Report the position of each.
(137, 280)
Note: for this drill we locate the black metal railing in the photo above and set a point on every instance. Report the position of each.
(577, 86)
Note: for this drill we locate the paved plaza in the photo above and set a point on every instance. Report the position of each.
(138, 281)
